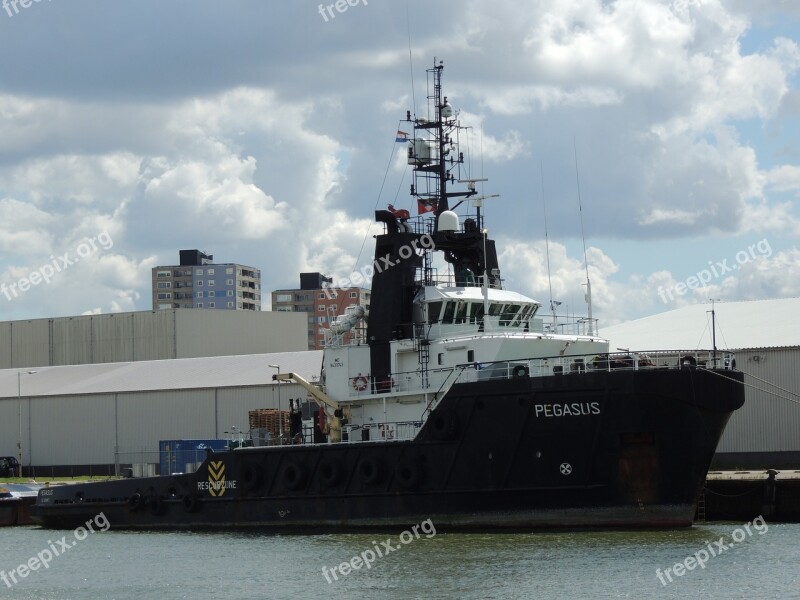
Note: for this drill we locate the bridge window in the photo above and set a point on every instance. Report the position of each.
(509, 312)
(476, 312)
(449, 311)
(523, 315)
(461, 312)
(434, 310)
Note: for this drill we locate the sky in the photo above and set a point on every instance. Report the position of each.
(263, 132)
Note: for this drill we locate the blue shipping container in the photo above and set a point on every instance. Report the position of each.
(176, 454)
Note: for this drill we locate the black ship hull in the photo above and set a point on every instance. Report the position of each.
(619, 449)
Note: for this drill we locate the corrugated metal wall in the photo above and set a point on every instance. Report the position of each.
(113, 339)
(145, 418)
(71, 341)
(148, 336)
(24, 343)
(72, 430)
(766, 423)
(9, 427)
(154, 335)
(237, 332)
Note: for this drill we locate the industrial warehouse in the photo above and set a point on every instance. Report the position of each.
(92, 394)
(98, 419)
(764, 338)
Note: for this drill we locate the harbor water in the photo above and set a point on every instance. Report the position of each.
(758, 561)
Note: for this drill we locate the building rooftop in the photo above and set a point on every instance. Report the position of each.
(182, 373)
(746, 324)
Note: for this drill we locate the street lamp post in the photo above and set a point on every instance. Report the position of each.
(19, 418)
(280, 416)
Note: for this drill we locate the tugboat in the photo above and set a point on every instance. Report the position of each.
(459, 404)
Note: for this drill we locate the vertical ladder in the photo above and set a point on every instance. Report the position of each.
(423, 348)
(701, 507)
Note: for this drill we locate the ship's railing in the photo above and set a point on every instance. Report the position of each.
(406, 381)
(370, 432)
(554, 366)
(380, 432)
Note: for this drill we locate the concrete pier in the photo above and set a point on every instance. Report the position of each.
(745, 495)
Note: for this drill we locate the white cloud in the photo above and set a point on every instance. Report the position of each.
(278, 167)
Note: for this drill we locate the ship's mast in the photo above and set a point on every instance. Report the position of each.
(431, 157)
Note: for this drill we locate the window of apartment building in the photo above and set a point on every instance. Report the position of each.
(198, 272)
(164, 306)
(165, 296)
(229, 282)
(209, 271)
(199, 294)
(212, 305)
(211, 294)
(200, 283)
(199, 305)
(321, 308)
(211, 283)
(230, 304)
(161, 274)
(229, 293)
(229, 271)
(354, 294)
(322, 296)
(164, 285)
(238, 305)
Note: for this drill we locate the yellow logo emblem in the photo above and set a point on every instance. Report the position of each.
(216, 478)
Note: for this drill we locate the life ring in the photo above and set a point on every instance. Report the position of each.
(360, 383)
(330, 472)
(191, 503)
(519, 371)
(135, 501)
(370, 470)
(294, 476)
